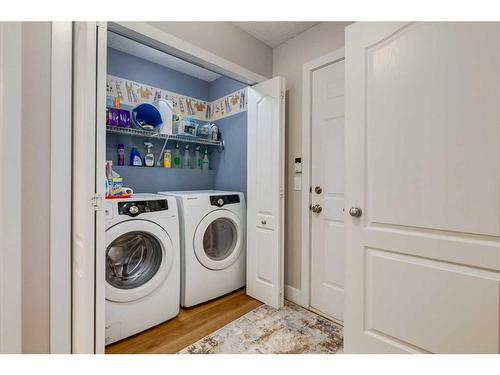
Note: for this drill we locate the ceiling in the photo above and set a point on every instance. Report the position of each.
(142, 51)
(274, 33)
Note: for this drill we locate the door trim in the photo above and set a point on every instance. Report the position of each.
(10, 187)
(60, 187)
(302, 296)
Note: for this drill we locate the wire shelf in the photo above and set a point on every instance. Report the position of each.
(170, 137)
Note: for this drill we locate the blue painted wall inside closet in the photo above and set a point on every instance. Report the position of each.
(123, 65)
(229, 166)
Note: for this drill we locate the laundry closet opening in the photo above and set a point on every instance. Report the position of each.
(138, 74)
(176, 170)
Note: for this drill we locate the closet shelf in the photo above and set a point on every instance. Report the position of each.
(171, 137)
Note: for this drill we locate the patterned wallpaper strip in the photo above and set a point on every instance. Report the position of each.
(132, 93)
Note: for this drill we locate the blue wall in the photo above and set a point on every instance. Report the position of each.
(230, 165)
(223, 86)
(136, 69)
(228, 168)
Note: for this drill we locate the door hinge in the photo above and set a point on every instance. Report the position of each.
(282, 95)
(96, 202)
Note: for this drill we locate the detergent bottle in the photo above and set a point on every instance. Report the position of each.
(135, 158)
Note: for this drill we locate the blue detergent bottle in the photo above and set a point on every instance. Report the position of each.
(135, 158)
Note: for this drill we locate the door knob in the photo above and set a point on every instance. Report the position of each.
(355, 212)
(318, 190)
(316, 208)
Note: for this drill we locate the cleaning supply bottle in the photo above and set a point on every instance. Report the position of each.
(149, 159)
(167, 159)
(205, 162)
(196, 164)
(186, 160)
(135, 158)
(177, 156)
(121, 154)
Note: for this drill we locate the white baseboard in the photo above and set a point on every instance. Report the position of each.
(296, 296)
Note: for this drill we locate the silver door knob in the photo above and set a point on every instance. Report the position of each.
(316, 208)
(318, 190)
(355, 211)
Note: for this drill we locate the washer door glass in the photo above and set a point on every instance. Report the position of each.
(133, 259)
(219, 239)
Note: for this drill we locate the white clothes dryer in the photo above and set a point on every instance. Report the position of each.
(213, 245)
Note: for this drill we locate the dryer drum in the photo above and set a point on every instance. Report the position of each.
(219, 239)
(133, 259)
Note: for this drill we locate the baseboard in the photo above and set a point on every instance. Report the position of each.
(296, 295)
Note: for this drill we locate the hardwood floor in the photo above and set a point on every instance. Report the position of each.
(188, 327)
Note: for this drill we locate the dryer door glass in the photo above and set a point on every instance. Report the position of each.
(219, 240)
(133, 259)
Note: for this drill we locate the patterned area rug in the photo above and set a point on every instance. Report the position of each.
(291, 330)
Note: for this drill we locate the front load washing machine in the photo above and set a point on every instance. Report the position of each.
(142, 264)
(213, 247)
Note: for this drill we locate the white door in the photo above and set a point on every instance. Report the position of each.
(327, 194)
(423, 165)
(265, 191)
(89, 145)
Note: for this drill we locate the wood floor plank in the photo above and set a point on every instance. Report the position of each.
(188, 327)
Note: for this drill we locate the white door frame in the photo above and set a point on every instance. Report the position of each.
(302, 296)
(10, 186)
(86, 314)
(60, 186)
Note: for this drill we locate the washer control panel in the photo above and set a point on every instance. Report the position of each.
(135, 208)
(221, 200)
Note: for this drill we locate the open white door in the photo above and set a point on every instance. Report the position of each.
(89, 141)
(265, 191)
(422, 188)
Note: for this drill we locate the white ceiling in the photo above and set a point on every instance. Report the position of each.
(131, 47)
(274, 33)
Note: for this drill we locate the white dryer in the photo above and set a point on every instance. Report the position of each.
(213, 245)
(142, 264)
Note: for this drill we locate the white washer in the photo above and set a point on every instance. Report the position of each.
(213, 247)
(142, 264)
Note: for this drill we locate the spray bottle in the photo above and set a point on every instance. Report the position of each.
(149, 158)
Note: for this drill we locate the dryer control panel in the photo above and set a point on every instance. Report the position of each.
(221, 200)
(135, 208)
